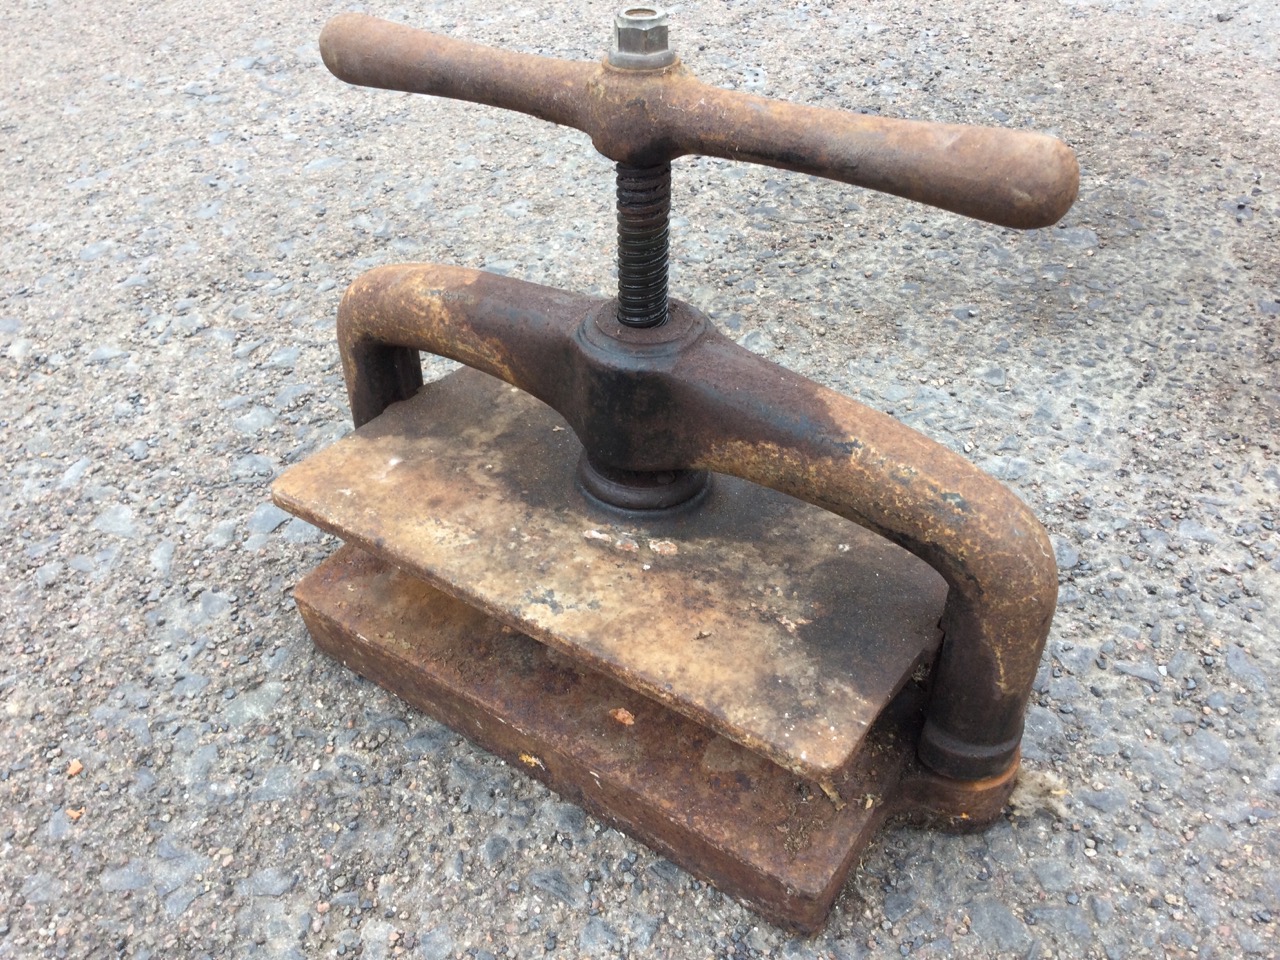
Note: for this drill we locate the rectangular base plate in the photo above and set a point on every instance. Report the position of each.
(753, 829)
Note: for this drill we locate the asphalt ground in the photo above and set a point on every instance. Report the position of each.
(186, 193)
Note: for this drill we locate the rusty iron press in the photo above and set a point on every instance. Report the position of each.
(735, 613)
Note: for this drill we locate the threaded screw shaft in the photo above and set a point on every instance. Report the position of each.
(644, 208)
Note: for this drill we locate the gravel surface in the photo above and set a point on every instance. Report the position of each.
(187, 191)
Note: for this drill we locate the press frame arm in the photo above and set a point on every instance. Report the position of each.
(516, 331)
(766, 424)
(714, 405)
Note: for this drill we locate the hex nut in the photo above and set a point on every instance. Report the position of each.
(640, 39)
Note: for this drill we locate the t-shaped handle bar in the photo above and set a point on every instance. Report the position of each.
(1013, 178)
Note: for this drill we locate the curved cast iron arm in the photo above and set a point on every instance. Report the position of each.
(756, 420)
(736, 413)
(519, 332)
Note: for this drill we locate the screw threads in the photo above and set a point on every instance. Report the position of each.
(644, 207)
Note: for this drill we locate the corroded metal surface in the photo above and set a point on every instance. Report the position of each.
(780, 625)
(1011, 177)
(683, 396)
(780, 844)
(771, 607)
(678, 396)
(650, 388)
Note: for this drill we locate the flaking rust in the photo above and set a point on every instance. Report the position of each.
(735, 613)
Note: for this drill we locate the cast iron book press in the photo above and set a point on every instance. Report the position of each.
(734, 613)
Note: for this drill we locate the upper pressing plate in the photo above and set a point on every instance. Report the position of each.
(781, 626)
